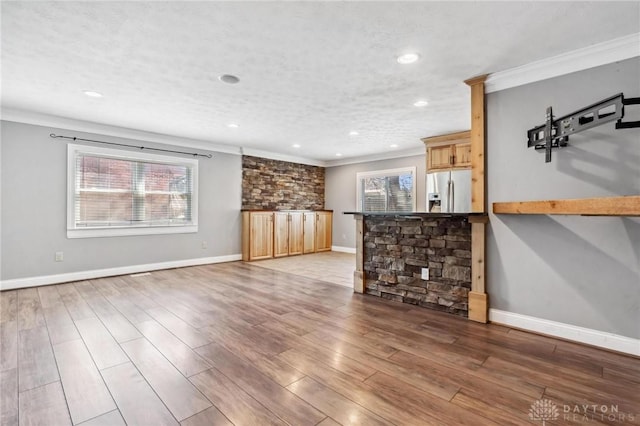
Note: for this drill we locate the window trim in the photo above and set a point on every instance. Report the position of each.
(386, 172)
(129, 230)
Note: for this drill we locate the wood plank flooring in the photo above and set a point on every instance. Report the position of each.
(239, 344)
(331, 266)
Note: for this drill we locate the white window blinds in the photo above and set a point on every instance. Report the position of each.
(114, 192)
(387, 190)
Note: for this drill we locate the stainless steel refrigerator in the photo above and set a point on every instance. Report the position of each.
(449, 191)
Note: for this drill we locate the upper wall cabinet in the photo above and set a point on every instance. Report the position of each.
(452, 151)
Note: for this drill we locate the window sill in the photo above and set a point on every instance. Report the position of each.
(130, 231)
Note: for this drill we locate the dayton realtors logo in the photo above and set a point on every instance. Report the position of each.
(546, 410)
(543, 409)
(597, 412)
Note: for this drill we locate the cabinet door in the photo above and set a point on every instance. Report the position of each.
(462, 156)
(439, 157)
(323, 231)
(261, 239)
(295, 232)
(309, 232)
(281, 234)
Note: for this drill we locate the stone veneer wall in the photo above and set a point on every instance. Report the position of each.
(397, 248)
(280, 185)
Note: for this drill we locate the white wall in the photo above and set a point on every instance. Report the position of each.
(34, 211)
(582, 271)
(340, 192)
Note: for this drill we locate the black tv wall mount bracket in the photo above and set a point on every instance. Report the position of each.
(555, 132)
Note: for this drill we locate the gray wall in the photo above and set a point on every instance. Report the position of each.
(572, 269)
(34, 194)
(340, 192)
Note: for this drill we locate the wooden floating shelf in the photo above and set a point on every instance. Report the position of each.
(603, 206)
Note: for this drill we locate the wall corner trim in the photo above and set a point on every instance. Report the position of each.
(351, 250)
(618, 49)
(584, 335)
(109, 272)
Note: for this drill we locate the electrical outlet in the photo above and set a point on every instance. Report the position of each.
(59, 256)
(425, 274)
(203, 245)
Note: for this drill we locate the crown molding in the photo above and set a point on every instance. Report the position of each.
(70, 124)
(64, 123)
(476, 80)
(282, 157)
(615, 50)
(377, 157)
(334, 163)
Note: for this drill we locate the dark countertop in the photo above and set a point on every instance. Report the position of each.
(288, 210)
(416, 214)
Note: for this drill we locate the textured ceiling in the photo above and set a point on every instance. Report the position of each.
(310, 72)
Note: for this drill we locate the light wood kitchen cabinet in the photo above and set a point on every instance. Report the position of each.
(287, 233)
(296, 230)
(323, 231)
(257, 235)
(267, 234)
(309, 232)
(462, 155)
(447, 152)
(439, 157)
(280, 234)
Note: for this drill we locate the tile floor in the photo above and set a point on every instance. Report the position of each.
(331, 266)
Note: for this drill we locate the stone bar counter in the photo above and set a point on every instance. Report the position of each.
(393, 248)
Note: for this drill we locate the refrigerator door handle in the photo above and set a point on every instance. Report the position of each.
(448, 195)
(448, 207)
(452, 197)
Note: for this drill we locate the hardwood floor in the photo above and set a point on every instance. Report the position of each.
(240, 344)
(331, 266)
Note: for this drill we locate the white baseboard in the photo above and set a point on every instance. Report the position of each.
(343, 249)
(109, 272)
(588, 336)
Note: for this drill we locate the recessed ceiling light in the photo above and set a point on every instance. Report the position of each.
(408, 58)
(420, 103)
(393, 145)
(353, 133)
(92, 94)
(295, 145)
(338, 154)
(232, 125)
(229, 79)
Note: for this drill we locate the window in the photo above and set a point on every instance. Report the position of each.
(387, 190)
(114, 192)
